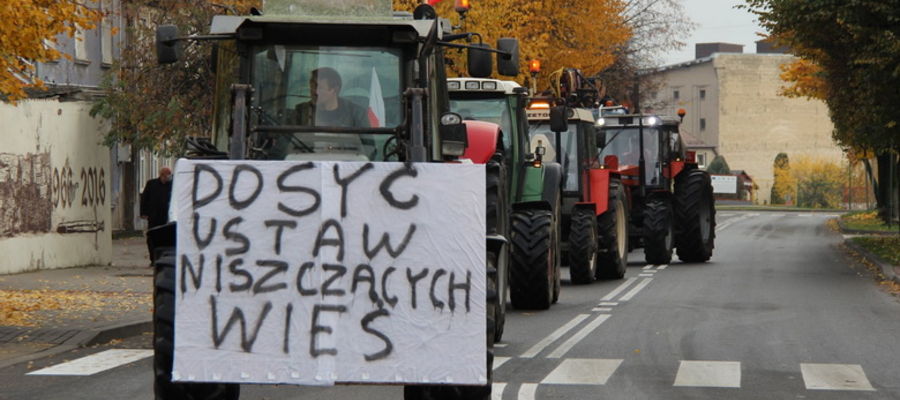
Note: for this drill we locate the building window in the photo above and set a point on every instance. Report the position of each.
(106, 34)
(702, 124)
(675, 95)
(701, 160)
(702, 94)
(80, 45)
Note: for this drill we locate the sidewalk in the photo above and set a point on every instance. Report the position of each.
(52, 311)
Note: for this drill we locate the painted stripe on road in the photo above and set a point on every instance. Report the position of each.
(662, 267)
(578, 336)
(835, 377)
(527, 391)
(721, 374)
(619, 289)
(648, 266)
(95, 363)
(498, 361)
(601, 309)
(539, 346)
(497, 391)
(644, 282)
(576, 371)
(646, 275)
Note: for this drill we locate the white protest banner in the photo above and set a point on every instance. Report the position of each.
(320, 272)
(725, 184)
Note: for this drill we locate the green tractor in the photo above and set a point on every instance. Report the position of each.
(594, 204)
(269, 66)
(534, 189)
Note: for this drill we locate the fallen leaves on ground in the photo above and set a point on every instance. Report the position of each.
(31, 307)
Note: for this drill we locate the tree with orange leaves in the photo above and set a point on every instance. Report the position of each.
(28, 33)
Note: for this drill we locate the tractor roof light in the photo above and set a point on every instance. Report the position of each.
(651, 121)
(539, 105)
(489, 85)
(473, 85)
(453, 85)
(462, 6)
(601, 121)
(534, 66)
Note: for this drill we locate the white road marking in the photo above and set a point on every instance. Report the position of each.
(753, 214)
(500, 345)
(497, 391)
(835, 377)
(95, 363)
(646, 275)
(498, 361)
(804, 215)
(578, 336)
(527, 391)
(727, 214)
(601, 309)
(619, 289)
(539, 346)
(662, 267)
(637, 288)
(730, 222)
(608, 304)
(578, 371)
(648, 266)
(721, 374)
(777, 215)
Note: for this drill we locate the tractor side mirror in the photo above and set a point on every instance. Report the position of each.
(559, 121)
(480, 62)
(508, 64)
(454, 137)
(168, 48)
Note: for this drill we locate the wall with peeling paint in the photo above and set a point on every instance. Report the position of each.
(54, 187)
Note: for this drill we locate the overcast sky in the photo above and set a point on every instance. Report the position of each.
(717, 21)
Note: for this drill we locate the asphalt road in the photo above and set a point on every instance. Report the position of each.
(778, 313)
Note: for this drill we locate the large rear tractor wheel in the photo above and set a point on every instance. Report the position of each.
(583, 247)
(164, 342)
(531, 272)
(695, 216)
(658, 231)
(612, 259)
(497, 212)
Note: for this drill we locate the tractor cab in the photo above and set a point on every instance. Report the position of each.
(571, 147)
(492, 100)
(620, 136)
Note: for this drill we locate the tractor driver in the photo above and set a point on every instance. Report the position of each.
(326, 107)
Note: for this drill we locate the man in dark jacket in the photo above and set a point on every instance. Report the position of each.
(155, 203)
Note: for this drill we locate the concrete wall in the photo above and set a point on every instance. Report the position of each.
(755, 123)
(54, 187)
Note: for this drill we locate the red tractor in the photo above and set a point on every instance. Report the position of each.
(671, 199)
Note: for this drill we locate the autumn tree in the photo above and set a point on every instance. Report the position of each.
(719, 166)
(156, 106)
(583, 34)
(820, 183)
(29, 34)
(783, 183)
(849, 58)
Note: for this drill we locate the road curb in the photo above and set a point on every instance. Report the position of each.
(86, 338)
(845, 229)
(887, 269)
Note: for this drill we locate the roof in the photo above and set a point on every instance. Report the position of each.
(470, 84)
(228, 24)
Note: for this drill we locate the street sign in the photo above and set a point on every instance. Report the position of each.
(724, 184)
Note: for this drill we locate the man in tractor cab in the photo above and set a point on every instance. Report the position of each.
(326, 107)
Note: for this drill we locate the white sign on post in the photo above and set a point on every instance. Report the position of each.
(320, 272)
(725, 184)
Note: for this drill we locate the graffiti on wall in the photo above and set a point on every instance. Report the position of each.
(74, 189)
(24, 194)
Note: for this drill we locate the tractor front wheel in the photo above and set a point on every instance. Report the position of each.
(532, 275)
(695, 214)
(583, 247)
(658, 231)
(612, 259)
(164, 342)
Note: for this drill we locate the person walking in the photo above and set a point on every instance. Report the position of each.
(155, 204)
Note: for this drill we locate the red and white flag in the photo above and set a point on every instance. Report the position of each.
(376, 102)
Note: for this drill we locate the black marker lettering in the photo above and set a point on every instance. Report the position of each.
(413, 281)
(286, 345)
(278, 267)
(218, 273)
(385, 188)
(386, 242)
(303, 291)
(197, 202)
(248, 279)
(242, 204)
(279, 225)
(236, 237)
(434, 300)
(237, 317)
(302, 189)
(203, 242)
(392, 300)
(364, 273)
(339, 271)
(196, 275)
(336, 242)
(344, 182)
(388, 346)
(465, 287)
(315, 329)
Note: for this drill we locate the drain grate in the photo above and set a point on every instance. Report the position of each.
(18, 334)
